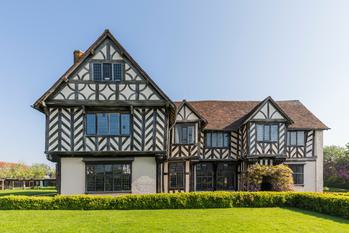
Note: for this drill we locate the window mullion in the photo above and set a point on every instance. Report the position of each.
(96, 119)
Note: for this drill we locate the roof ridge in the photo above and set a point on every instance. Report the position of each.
(213, 100)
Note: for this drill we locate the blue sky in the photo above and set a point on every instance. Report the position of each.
(227, 50)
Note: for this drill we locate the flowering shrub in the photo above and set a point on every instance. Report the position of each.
(276, 178)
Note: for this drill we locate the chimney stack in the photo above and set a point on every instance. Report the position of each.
(77, 55)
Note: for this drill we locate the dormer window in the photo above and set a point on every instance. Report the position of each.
(107, 71)
(184, 134)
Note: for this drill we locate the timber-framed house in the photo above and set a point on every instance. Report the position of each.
(111, 129)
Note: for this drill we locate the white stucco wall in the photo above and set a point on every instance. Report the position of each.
(72, 176)
(144, 175)
(319, 153)
(313, 169)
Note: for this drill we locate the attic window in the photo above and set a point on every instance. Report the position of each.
(107, 71)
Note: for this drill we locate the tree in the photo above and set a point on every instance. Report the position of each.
(22, 171)
(40, 170)
(336, 166)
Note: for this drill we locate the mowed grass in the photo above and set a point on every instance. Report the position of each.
(28, 192)
(188, 220)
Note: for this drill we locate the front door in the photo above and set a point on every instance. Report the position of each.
(211, 176)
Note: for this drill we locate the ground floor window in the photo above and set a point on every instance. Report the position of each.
(225, 176)
(108, 177)
(298, 173)
(215, 176)
(176, 175)
(204, 177)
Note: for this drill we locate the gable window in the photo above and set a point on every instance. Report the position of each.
(176, 175)
(296, 138)
(108, 177)
(217, 140)
(108, 124)
(298, 173)
(107, 71)
(184, 134)
(267, 132)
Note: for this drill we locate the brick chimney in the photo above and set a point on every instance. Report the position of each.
(77, 55)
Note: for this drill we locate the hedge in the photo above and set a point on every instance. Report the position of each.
(333, 204)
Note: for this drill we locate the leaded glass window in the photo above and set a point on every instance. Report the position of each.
(108, 177)
(184, 134)
(108, 124)
(176, 172)
(296, 138)
(217, 140)
(267, 132)
(107, 71)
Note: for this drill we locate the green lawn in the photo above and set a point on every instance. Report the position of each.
(28, 192)
(201, 220)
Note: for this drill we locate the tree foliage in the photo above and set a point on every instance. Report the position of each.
(22, 171)
(336, 166)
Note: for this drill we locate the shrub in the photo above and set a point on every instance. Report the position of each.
(279, 177)
(333, 204)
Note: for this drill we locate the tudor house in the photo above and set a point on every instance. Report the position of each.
(111, 129)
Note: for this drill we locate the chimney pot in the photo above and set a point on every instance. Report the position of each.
(77, 55)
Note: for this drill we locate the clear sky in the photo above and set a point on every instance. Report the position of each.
(226, 50)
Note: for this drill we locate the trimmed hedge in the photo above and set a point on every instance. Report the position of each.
(337, 205)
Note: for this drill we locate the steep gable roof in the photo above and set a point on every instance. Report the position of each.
(39, 104)
(228, 115)
(181, 104)
(264, 103)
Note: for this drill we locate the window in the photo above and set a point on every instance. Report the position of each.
(108, 177)
(225, 176)
(267, 133)
(117, 69)
(298, 173)
(97, 72)
(295, 138)
(184, 134)
(204, 177)
(108, 124)
(107, 71)
(215, 176)
(217, 139)
(176, 175)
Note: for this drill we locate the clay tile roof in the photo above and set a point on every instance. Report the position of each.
(227, 115)
(7, 164)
